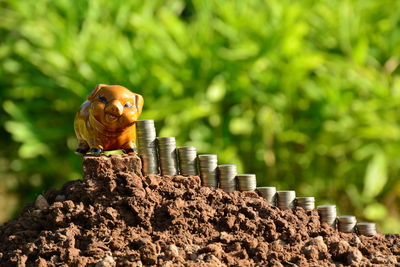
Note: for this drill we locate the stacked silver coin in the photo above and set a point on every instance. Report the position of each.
(246, 182)
(227, 177)
(208, 164)
(187, 160)
(167, 153)
(286, 199)
(147, 146)
(327, 214)
(366, 228)
(268, 193)
(346, 223)
(307, 203)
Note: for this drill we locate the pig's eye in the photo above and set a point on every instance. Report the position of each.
(128, 105)
(102, 99)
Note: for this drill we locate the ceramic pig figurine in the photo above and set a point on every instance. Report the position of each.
(107, 120)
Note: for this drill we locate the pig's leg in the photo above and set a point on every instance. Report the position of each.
(95, 146)
(129, 148)
(83, 148)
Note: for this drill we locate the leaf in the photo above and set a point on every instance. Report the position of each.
(376, 175)
(217, 90)
(375, 211)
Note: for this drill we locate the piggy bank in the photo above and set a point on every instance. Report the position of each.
(107, 120)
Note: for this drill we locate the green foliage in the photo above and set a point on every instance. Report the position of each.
(306, 94)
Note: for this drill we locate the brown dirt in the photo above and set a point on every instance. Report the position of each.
(115, 216)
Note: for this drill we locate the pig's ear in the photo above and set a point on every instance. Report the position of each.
(139, 101)
(93, 94)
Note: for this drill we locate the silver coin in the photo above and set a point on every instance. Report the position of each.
(346, 223)
(268, 193)
(167, 155)
(208, 164)
(286, 199)
(165, 141)
(327, 214)
(307, 203)
(227, 177)
(208, 156)
(187, 160)
(366, 228)
(246, 182)
(147, 147)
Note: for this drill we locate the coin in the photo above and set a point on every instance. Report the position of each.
(227, 177)
(327, 214)
(268, 193)
(366, 228)
(208, 164)
(167, 153)
(307, 203)
(346, 223)
(147, 147)
(246, 182)
(286, 199)
(187, 160)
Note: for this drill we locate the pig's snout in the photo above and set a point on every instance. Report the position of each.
(114, 108)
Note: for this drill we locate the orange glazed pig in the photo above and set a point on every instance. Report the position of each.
(107, 120)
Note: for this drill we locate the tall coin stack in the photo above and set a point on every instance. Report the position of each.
(208, 170)
(227, 177)
(187, 160)
(307, 203)
(366, 228)
(346, 223)
(246, 182)
(286, 199)
(167, 153)
(268, 193)
(327, 214)
(146, 135)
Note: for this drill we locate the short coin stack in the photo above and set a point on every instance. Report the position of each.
(269, 193)
(366, 228)
(208, 164)
(327, 214)
(146, 135)
(227, 174)
(167, 152)
(307, 203)
(246, 182)
(286, 199)
(187, 160)
(346, 223)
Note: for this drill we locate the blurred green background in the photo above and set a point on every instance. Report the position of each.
(306, 94)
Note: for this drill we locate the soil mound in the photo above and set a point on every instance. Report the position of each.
(117, 217)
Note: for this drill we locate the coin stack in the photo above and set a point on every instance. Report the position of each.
(366, 228)
(187, 160)
(269, 193)
(346, 223)
(167, 152)
(208, 164)
(146, 135)
(307, 203)
(286, 199)
(327, 214)
(227, 174)
(246, 182)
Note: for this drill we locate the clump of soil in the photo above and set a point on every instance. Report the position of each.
(117, 217)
